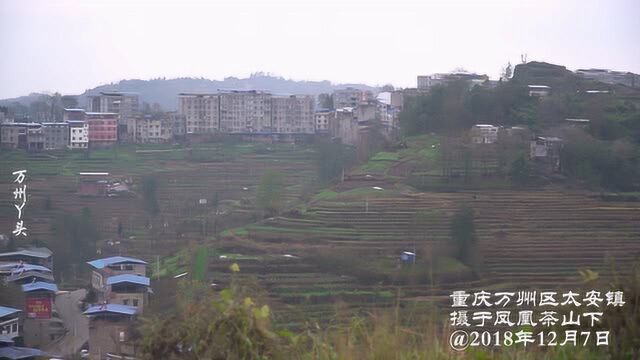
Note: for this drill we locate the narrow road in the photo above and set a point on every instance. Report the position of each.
(76, 324)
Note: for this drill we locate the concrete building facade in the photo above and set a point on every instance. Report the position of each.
(245, 112)
(323, 117)
(178, 124)
(111, 329)
(13, 135)
(349, 97)
(102, 129)
(78, 134)
(121, 280)
(201, 112)
(125, 104)
(153, 129)
(345, 126)
(292, 114)
(56, 135)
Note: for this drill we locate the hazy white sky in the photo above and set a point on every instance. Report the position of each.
(69, 46)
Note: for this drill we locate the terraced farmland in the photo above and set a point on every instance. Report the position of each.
(539, 238)
(342, 247)
(229, 173)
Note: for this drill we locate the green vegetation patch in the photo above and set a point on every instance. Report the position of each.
(385, 156)
(325, 195)
(200, 263)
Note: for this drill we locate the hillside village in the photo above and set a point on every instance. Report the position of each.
(343, 197)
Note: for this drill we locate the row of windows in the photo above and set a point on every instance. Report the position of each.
(9, 329)
(102, 128)
(134, 302)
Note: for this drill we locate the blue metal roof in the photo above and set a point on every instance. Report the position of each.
(4, 339)
(16, 352)
(111, 308)
(5, 311)
(30, 267)
(130, 278)
(40, 286)
(41, 253)
(102, 263)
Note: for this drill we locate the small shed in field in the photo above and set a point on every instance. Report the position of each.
(93, 183)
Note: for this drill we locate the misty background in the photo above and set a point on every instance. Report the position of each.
(71, 46)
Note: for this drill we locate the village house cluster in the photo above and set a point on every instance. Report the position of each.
(120, 292)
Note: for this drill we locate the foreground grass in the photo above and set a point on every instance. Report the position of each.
(231, 324)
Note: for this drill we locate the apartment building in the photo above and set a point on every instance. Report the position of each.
(125, 104)
(103, 128)
(323, 117)
(13, 135)
(26, 136)
(245, 112)
(153, 129)
(350, 97)
(35, 137)
(178, 124)
(78, 134)
(201, 112)
(293, 114)
(56, 135)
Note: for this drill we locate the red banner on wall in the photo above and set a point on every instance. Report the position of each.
(39, 308)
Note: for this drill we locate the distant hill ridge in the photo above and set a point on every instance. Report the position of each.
(164, 91)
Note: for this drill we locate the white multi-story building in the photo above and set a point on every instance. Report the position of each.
(201, 112)
(245, 112)
(78, 134)
(292, 114)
